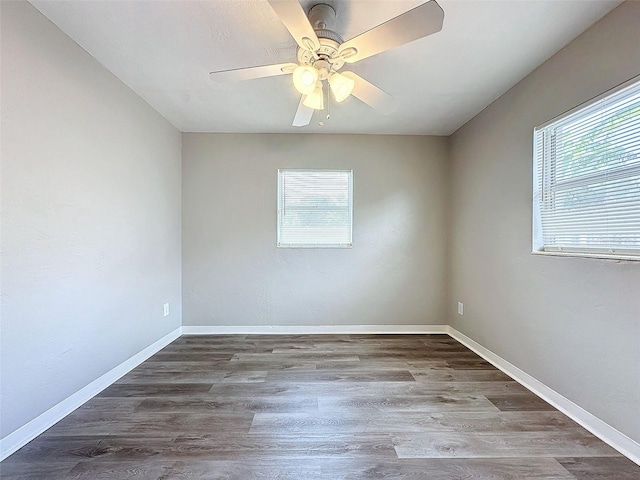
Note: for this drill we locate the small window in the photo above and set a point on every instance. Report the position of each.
(315, 208)
(587, 178)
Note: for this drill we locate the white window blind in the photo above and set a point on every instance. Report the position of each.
(587, 178)
(315, 208)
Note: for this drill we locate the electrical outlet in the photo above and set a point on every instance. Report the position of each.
(166, 309)
(460, 308)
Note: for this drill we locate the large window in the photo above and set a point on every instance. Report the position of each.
(315, 208)
(587, 178)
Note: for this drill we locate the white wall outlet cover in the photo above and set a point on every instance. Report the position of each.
(460, 308)
(166, 309)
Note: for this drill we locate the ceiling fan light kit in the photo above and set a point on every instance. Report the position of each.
(315, 99)
(341, 86)
(305, 78)
(322, 53)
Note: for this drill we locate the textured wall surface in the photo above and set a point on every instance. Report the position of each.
(573, 323)
(90, 219)
(233, 274)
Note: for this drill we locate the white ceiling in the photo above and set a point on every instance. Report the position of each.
(164, 51)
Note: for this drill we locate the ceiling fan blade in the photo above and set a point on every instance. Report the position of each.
(423, 20)
(296, 21)
(253, 72)
(303, 114)
(370, 94)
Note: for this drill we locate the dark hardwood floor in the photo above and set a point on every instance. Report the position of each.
(317, 407)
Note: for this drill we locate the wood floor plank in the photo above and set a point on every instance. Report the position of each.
(445, 469)
(264, 469)
(34, 471)
(210, 403)
(519, 403)
(378, 365)
(153, 389)
(106, 405)
(406, 403)
(293, 357)
(181, 366)
(340, 376)
(469, 364)
(206, 470)
(244, 376)
(366, 388)
(399, 354)
(304, 447)
(138, 470)
(224, 350)
(521, 444)
(165, 423)
(316, 407)
(601, 468)
(71, 449)
(171, 377)
(307, 423)
(163, 356)
(241, 365)
(502, 422)
(451, 375)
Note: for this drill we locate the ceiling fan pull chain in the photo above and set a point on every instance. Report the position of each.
(328, 103)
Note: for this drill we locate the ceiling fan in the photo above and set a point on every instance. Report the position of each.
(322, 53)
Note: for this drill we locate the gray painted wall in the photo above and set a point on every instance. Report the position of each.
(233, 274)
(573, 323)
(90, 219)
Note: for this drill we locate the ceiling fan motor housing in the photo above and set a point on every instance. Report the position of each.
(323, 19)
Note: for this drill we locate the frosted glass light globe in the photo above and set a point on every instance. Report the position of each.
(305, 78)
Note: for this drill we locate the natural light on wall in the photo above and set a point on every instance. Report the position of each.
(587, 178)
(315, 208)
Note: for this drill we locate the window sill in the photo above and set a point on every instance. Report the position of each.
(601, 256)
(315, 246)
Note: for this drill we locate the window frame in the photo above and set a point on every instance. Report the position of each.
(542, 178)
(280, 196)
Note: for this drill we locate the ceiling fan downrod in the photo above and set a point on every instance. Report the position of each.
(322, 17)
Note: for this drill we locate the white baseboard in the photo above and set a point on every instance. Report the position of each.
(605, 432)
(35, 427)
(313, 329)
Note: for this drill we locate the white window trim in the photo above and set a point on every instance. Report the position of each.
(538, 248)
(314, 245)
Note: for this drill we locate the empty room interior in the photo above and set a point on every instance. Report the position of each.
(321, 239)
